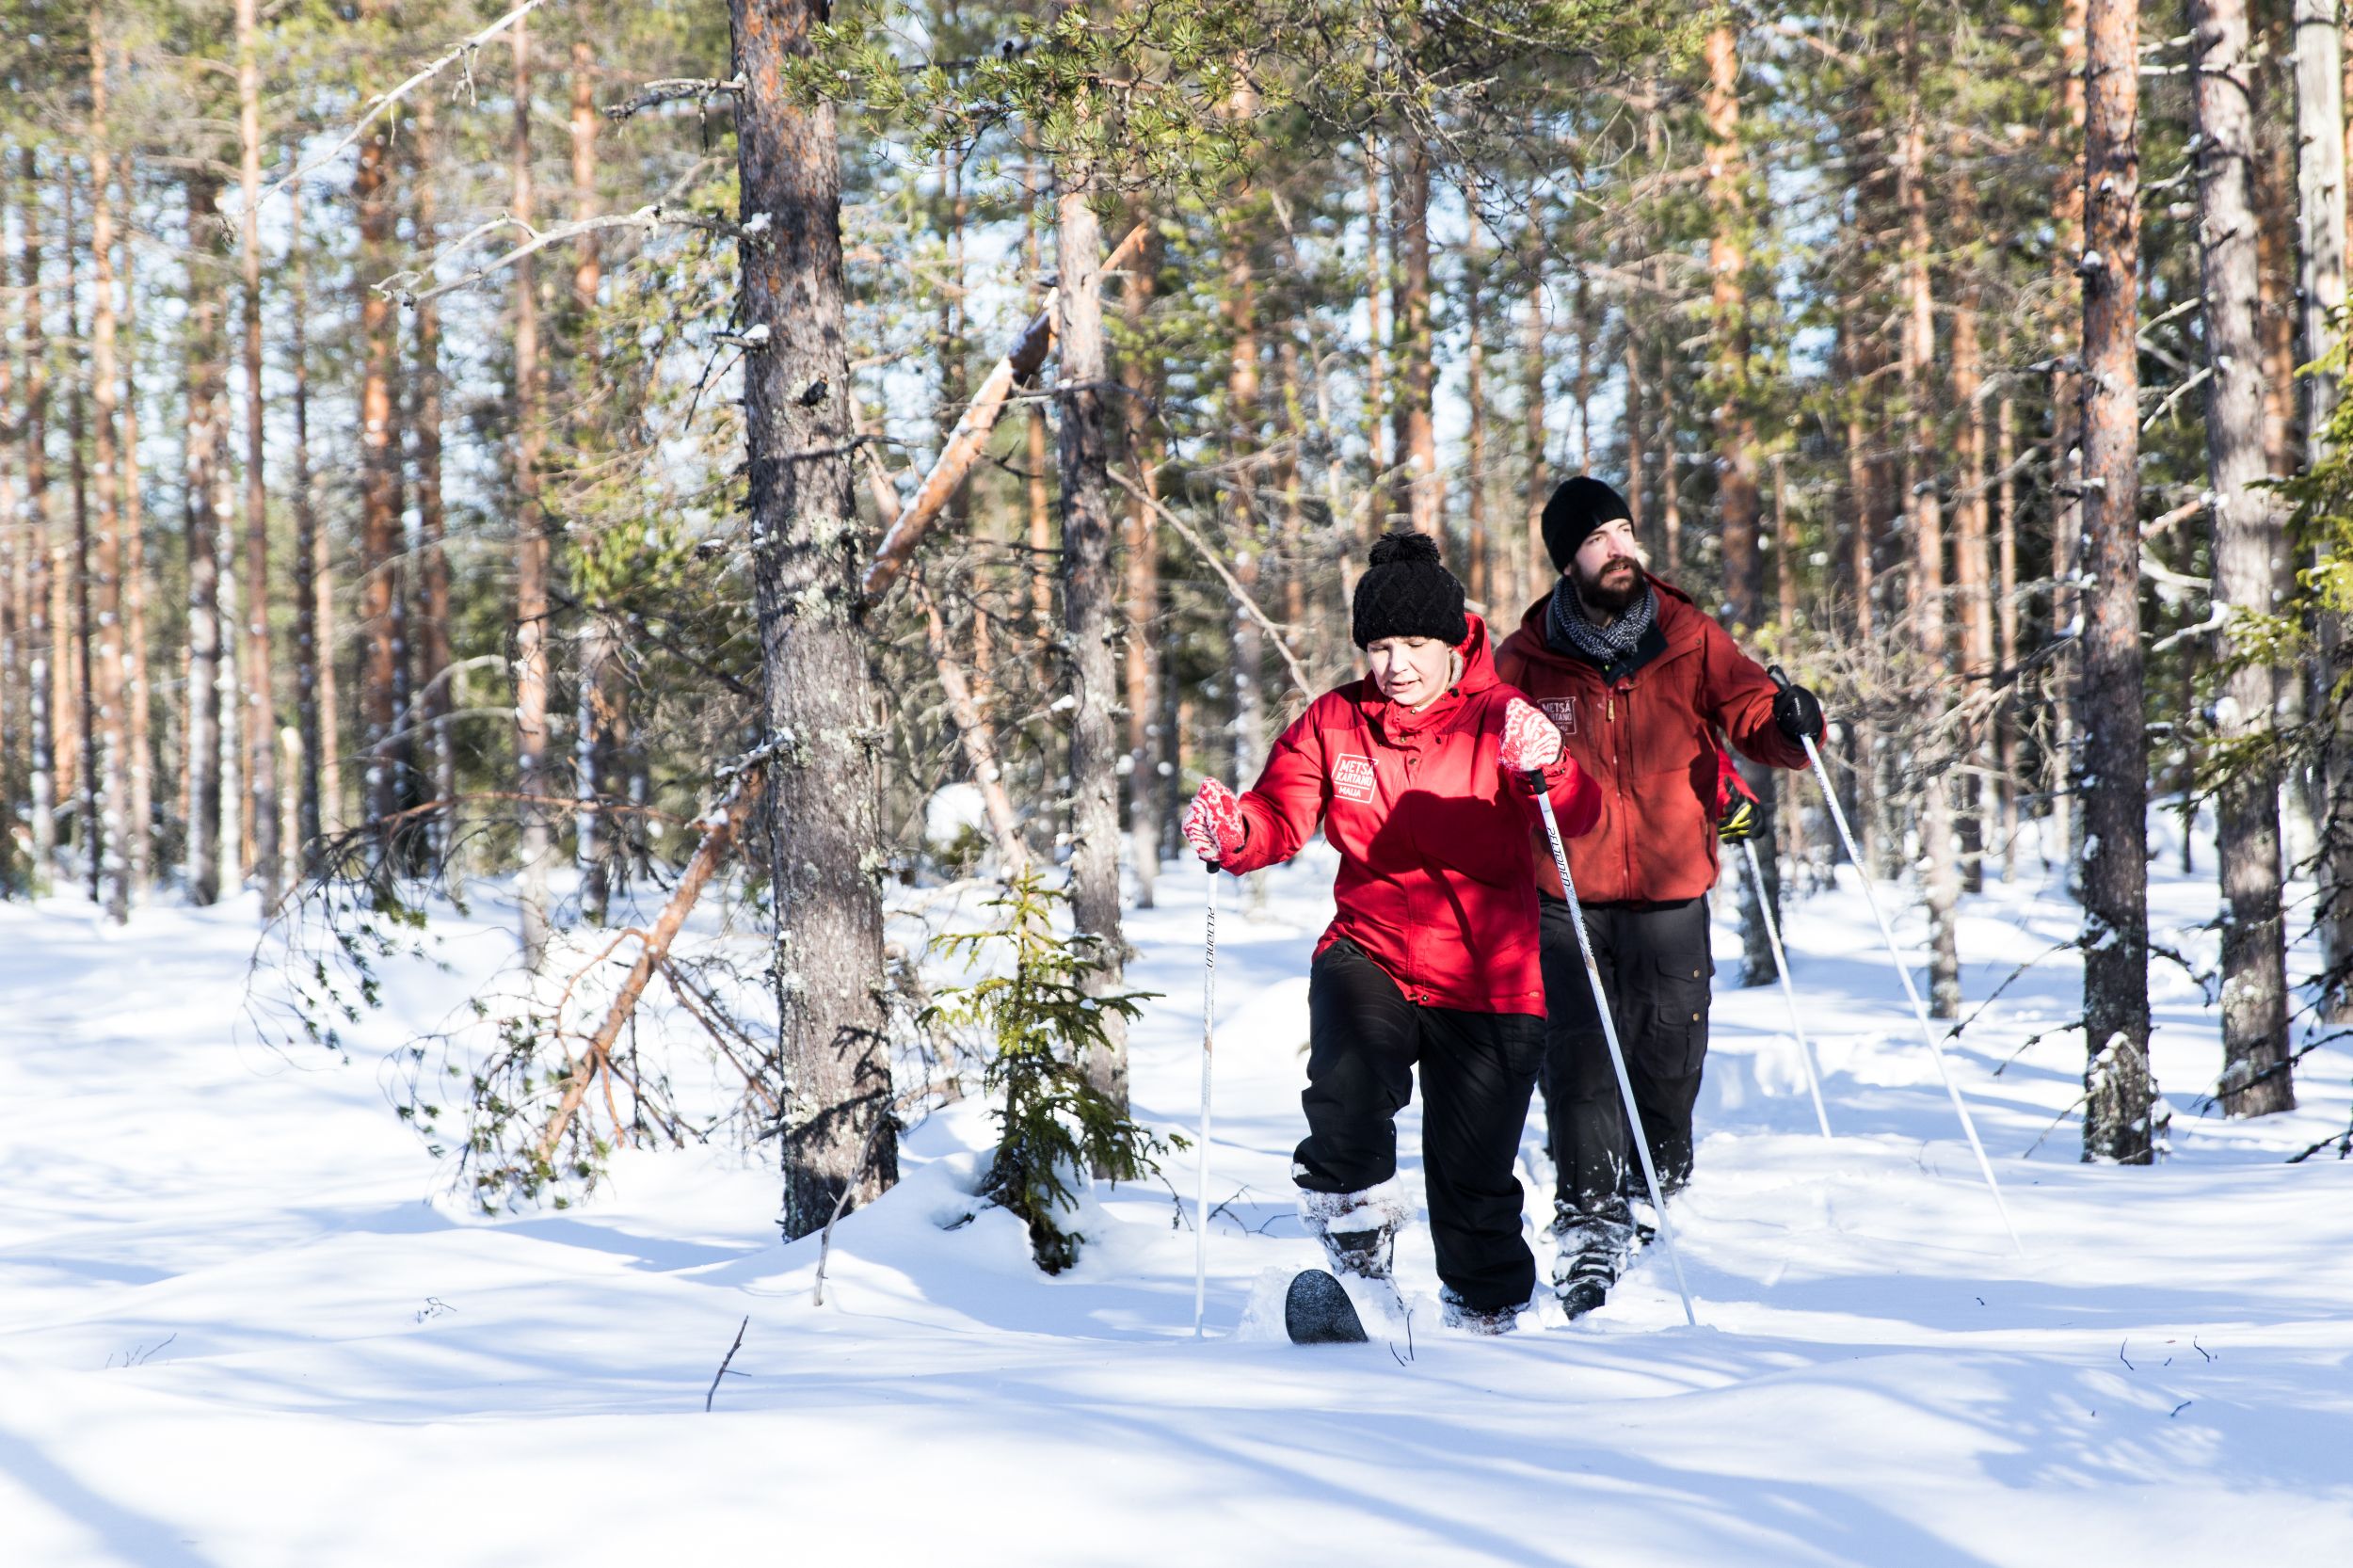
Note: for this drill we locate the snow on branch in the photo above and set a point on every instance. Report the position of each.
(673, 89)
(379, 104)
(656, 215)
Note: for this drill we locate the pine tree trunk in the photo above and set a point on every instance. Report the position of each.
(1416, 430)
(1939, 875)
(137, 688)
(89, 786)
(533, 779)
(1487, 586)
(11, 576)
(1146, 743)
(597, 703)
(2067, 461)
(2006, 617)
(1088, 587)
(1972, 560)
(1738, 502)
(203, 459)
(261, 714)
(39, 666)
(2120, 1089)
(1377, 282)
(822, 808)
(111, 776)
(1536, 481)
(2321, 211)
(437, 682)
(379, 491)
(311, 651)
(2248, 529)
(1243, 532)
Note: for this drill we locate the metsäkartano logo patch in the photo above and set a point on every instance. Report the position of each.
(1353, 779)
(1561, 711)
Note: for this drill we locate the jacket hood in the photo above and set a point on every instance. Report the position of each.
(1536, 646)
(1479, 673)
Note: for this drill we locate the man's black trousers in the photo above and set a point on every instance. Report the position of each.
(1654, 968)
(1477, 1073)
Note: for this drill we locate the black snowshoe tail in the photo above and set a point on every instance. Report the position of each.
(1580, 1296)
(1316, 1311)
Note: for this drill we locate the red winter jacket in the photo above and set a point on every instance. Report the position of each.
(1649, 741)
(1435, 882)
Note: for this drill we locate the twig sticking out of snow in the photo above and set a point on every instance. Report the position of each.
(723, 1364)
(858, 1173)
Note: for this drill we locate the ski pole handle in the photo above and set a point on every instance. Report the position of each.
(1781, 677)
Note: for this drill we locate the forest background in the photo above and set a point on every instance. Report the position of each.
(637, 450)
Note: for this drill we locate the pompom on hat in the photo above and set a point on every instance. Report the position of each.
(1407, 592)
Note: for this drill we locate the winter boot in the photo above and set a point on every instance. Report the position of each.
(1593, 1248)
(1487, 1321)
(1358, 1229)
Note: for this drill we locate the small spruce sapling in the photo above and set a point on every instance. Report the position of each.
(1040, 1022)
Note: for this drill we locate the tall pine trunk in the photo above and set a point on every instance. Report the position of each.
(532, 780)
(312, 720)
(2067, 438)
(2248, 529)
(204, 456)
(261, 714)
(437, 680)
(1738, 502)
(2118, 1088)
(823, 812)
(1423, 487)
(1146, 743)
(111, 777)
(39, 660)
(1089, 588)
(1940, 874)
(138, 686)
(380, 541)
(2321, 211)
(597, 702)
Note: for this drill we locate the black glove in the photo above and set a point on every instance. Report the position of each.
(1798, 713)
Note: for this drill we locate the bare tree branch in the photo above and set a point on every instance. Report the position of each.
(382, 102)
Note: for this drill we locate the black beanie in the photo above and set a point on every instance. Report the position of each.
(1577, 508)
(1407, 592)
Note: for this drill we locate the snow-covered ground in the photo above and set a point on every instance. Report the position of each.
(235, 1333)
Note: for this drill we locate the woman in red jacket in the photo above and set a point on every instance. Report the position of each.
(1420, 774)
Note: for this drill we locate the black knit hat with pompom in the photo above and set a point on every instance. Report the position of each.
(1407, 592)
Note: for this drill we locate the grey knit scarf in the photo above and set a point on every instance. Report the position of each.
(1567, 630)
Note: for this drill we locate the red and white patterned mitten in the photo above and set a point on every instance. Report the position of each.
(1531, 743)
(1213, 822)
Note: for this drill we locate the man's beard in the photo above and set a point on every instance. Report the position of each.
(1614, 592)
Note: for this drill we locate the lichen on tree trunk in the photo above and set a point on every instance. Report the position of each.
(822, 827)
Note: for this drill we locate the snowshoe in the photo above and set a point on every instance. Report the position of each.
(1487, 1321)
(1316, 1311)
(1592, 1250)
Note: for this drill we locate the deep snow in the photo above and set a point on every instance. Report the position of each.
(234, 1331)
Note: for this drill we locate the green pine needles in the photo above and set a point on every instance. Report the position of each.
(1041, 1022)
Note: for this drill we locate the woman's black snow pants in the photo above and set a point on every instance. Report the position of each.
(1478, 1072)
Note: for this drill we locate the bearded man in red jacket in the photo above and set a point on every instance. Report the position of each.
(1423, 775)
(1639, 681)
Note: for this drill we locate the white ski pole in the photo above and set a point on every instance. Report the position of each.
(1780, 966)
(1903, 973)
(1617, 1058)
(1201, 1152)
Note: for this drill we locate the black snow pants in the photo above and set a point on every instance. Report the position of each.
(1654, 968)
(1477, 1073)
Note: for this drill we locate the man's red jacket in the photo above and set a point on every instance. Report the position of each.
(1435, 882)
(1649, 741)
